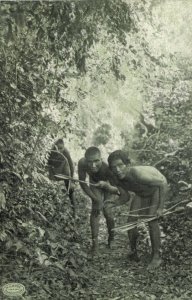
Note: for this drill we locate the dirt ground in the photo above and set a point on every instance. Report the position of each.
(117, 278)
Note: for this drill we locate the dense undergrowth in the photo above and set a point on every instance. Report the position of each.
(42, 244)
(92, 72)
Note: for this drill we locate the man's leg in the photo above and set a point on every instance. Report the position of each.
(107, 211)
(154, 231)
(95, 217)
(72, 199)
(94, 223)
(71, 196)
(133, 233)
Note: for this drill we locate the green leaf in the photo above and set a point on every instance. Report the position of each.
(13, 85)
(2, 200)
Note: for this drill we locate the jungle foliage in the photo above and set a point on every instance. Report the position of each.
(93, 72)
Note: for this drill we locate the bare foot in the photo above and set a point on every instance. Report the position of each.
(95, 249)
(111, 244)
(133, 257)
(155, 263)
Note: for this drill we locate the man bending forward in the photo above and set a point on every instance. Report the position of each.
(97, 170)
(150, 187)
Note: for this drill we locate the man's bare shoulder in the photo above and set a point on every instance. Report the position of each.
(144, 169)
(138, 171)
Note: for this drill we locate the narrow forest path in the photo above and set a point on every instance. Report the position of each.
(110, 275)
(114, 277)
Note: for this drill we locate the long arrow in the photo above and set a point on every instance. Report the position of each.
(132, 225)
(73, 179)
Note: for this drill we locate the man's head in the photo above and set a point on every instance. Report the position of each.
(93, 159)
(118, 161)
(59, 145)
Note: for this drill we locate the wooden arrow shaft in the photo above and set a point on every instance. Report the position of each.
(73, 179)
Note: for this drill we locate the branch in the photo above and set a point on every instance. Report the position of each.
(171, 155)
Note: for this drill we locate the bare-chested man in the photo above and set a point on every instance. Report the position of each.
(150, 187)
(97, 170)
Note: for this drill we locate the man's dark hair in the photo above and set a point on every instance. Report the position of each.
(91, 151)
(59, 141)
(118, 154)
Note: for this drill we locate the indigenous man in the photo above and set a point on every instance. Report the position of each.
(60, 163)
(97, 170)
(150, 187)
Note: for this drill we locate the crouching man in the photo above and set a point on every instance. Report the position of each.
(60, 163)
(150, 187)
(99, 173)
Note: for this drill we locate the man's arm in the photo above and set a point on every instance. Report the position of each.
(110, 184)
(114, 187)
(70, 162)
(108, 187)
(84, 186)
(124, 198)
